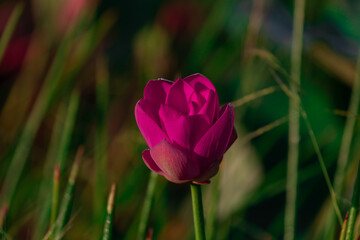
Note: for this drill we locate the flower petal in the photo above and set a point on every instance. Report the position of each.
(233, 138)
(194, 108)
(197, 98)
(148, 123)
(199, 82)
(174, 163)
(211, 106)
(157, 90)
(208, 173)
(179, 95)
(183, 130)
(213, 143)
(196, 102)
(149, 162)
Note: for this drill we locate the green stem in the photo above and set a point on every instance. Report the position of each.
(198, 212)
(145, 214)
(353, 209)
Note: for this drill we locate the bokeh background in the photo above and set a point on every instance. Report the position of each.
(73, 70)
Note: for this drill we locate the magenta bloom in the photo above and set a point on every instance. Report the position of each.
(186, 131)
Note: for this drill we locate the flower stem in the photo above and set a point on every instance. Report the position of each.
(353, 209)
(198, 212)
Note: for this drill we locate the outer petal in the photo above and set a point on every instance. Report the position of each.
(149, 162)
(208, 173)
(199, 82)
(214, 142)
(148, 123)
(176, 165)
(179, 95)
(183, 130)
(157, 90)
(233, 138)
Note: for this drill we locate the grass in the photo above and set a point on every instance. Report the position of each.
(32, 124)
(102, 99)
(109, 214)
(325, 173)
(146, 209)
(66, 203)
(55, 195)
(343, 158)
(294, 122)
(353, 212)
(10, 27)
(57, 156)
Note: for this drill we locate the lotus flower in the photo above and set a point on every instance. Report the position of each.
(185, 128)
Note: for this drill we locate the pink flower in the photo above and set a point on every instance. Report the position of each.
(186, 131)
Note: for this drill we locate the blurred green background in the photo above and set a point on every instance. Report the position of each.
(72, 71)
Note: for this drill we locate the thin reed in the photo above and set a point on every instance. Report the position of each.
(294, 122)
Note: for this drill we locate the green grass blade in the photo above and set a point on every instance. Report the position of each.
(294, 122)
(31, 126)
(68, 130)
(57, 154)
(10, 27)
(346, 144)
(253, 96)
(315, 144)
(45, 188)
(109, 214)
(354, 208)
(344, 226)
(102, 99)
(87, 45)
(212, 210)
(65, 208)
(55, 195)
(348, 132)
(263, 129)
(145, 213)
